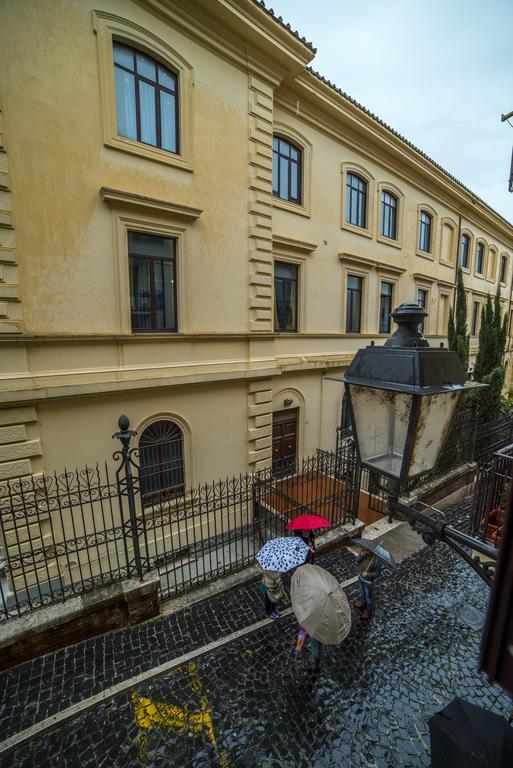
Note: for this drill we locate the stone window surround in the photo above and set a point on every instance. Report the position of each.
(465, 231)
(299, 260)
(136, 213)
(442, 322)
(358, 170)
(451, 224)
(492, 263)
(386, 186)
(385, 276)
(187, 447)
(433, 253)
(506, 275)
(109, 27)
(285, 131)
(426, 283)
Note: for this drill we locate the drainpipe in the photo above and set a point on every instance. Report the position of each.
(456, 267)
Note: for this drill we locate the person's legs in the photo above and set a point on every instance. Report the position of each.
(315, 654)
(269, 605)
(368, 587)
(362, 603)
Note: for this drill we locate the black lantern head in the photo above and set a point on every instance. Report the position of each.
(402, 399)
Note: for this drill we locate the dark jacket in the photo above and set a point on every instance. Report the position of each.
(369, 563)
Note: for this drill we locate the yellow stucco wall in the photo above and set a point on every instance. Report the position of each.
(69, 364)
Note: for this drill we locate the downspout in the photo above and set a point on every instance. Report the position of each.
(456, 266)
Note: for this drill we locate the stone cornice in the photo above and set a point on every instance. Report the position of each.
(119, 197)
(365, 261)
(291, 244)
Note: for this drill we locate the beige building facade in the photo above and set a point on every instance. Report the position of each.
(195, 228)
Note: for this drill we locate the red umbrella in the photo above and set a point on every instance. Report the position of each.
(307, 522)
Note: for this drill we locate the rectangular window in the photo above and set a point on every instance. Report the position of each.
(388, 215)
(286, 170)
(464, 251)
(354, 304)
(422, 297)
(385, 307)
(504, 264)
(356, 201)
(479, 258)
(285, 297)
(425, 232)
(475, 317)
(152, 264)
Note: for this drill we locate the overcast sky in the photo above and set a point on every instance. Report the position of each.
(440, 72)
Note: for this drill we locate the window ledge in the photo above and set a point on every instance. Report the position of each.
(365, 261)
(365, 232)
(291, 244)
(148, 151)
(445, 263)
(466, 270)
(286, 205)
(479, 275)
(388, 241)
(134, 200)
(424, 255)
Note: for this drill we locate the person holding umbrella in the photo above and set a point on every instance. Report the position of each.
(304, 528)
(321, 608)
(276, 557)
(369, 567)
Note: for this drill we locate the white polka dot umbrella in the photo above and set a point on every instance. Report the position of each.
(282, 554)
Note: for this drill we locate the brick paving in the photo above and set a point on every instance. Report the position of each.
(252, 704)
(37, 689)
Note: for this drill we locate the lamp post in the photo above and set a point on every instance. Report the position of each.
(402, 398)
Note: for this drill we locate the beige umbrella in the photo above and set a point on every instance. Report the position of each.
(320, 604)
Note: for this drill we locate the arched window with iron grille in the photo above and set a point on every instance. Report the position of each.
(162, 471)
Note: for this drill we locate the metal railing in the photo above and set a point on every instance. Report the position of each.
(491, 493)
(68, 533)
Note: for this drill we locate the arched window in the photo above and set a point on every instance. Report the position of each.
(356, 200)
(388, 215)
(286, 170)
(425, 232)
(162, 473)
(146, 99)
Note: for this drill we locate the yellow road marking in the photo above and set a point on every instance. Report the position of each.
(149, 714)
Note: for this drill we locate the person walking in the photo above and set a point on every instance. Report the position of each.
(316, 649)
(272, 589)
(309, 539)
(369, 567)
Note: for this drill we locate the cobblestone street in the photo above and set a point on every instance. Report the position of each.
(252, 703)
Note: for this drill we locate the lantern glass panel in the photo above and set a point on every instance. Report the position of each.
(432, 428)
(381, 419)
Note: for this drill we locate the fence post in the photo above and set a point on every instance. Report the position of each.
(474, 434)
(127, 487)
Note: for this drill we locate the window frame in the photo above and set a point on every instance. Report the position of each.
(474, 320)
(393, 213)
(465, 235)
(493, 263)
(422, 226)
(158, 89)
(424, 325)
(302, 143)
(482, 274)
(110, 28)
(364, 175)
(296, 266)
(151, 260)
(290, 163)
(381, 295)
(387, 187)
(503, 269)
(361, 193)
(454, 244)
(356, 276)
(172, 491)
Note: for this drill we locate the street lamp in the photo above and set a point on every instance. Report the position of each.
(402, 398)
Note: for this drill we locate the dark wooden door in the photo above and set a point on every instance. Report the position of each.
(284, 441)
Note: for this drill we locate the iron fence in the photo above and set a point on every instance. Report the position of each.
(491, 493)
(67, 533)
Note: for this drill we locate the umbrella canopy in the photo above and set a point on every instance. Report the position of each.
(320, 604)
(282, 554)
(466, 736)
(307, 523)
(373, 546)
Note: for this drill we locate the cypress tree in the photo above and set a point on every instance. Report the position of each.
(457, 335)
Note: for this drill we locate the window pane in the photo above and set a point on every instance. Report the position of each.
(294, 153)
(284, 178)
(143, 244)
(163, 288)
(385, 307)
(124, 56)
(125, 104)
(140, 293)
(282, 269)
(167, 79)
(275, 173)
(275, 143)
(293, 181)
(146, 67)
(168, 121)
(285, 296)
(147, 109)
